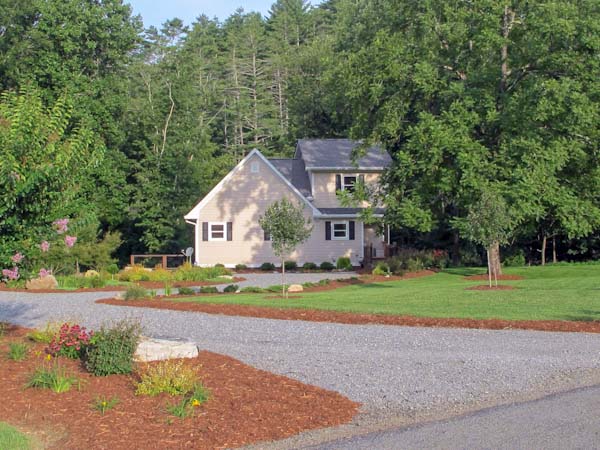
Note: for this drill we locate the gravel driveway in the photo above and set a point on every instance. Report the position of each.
(398, 373)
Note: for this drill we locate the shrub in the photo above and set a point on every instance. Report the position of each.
(189, 402)
(187, 272)
(516, 260)
(308, 284)
(381, 269)
(309, 266)
(326, 265)
(70, 341)
(414, 264)
(168, 376)
(111, 350)
(17, 351)
(240, 267)
(135, 292)
(343, 263)
(112, 269)
(219, 266)
(253, 290)
(208, 290)
(134, 274)
(267, 266)
(103, 404)
(290, 265)
(324, 282)
(395, 265)
(186, 291)
(54, 378)
(231, 288)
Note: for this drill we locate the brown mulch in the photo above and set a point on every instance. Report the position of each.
(316, 315)
(144, 284)
(247, 405)
(487, 287)
(485, 277)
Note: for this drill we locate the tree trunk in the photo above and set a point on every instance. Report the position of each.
(494, 257)
(455, 248)
(544, 243)
(489, 267)
(554, 257)
(283, 291)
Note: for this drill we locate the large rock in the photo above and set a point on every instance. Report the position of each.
(47, 282)
(158, 349)
(295, 288)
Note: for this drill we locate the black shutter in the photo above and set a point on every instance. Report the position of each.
(361, 179)
(327, 230)
(338, 182)
(266, 236)
(229, 231)
(351, 230)
(205, 231)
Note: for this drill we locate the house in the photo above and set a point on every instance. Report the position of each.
(226, 220)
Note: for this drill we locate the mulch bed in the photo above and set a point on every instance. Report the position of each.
(247, 405)
(144, 284)
(487, 287)
(485, 277)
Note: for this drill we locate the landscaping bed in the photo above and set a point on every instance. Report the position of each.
(246, 405)
(317, 315)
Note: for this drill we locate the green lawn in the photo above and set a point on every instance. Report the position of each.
(562, 292)
(10, 438)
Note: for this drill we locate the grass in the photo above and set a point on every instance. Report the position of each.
(11, 438)
(562, 292)
(17, 351)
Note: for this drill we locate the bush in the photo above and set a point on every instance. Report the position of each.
(231, 288)
(381, 269)
(186, 291)
(267, 266)
(343, 263)
(135, 292)
(79, 282)
(208, 290)
(326, 265)
(187, 272)
(324, 282)
(169, 376)
(112, 269)
(290, 265)
(70, 341)
(309, 266)
(395, 265)
(111, 350)
(516, 260)
(240, 267)
(134, 274)
(253, 290)
(219, 266)
(415, 264)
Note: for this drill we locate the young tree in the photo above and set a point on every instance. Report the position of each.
(285, 223)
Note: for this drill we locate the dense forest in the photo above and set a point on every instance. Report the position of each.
(490, 110)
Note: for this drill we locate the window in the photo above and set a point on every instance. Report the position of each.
(348, 183)
(266, 236)
(339, 230)
(254, 167)
(216, 231)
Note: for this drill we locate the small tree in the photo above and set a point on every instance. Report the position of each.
(286, 225)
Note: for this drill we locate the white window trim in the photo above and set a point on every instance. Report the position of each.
(210, 231)
(254, 167)
(337, 238)
(343, 180)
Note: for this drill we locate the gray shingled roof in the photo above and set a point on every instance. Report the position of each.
(333, 211)
(337, 153)
(295, 172)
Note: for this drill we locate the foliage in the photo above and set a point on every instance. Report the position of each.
(326, 265)
(287, 226)
(112, 269)
(309, 266)
(381, 269)
(231, 288)
(70, 341)
(186, 291)
(208, 290)
(515, 260)
(53, 377)
(111, 349)
(252, 290)
(79, 282)
(135, 292)
(290, 265)
(187, 272)
(17, 351)
(169, 376)
(343, 263)
(46, 335)
(185, 407)
(240, 267)
(103, 404)
(267, 267)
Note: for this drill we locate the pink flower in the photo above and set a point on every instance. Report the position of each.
(11, 274)
(45, 246)
(44, 273)
(70, 241)
(61, 225)
(17, 257)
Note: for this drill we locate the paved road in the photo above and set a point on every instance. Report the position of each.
(565, 421)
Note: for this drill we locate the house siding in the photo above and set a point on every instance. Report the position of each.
(323, 187)
(242, 200)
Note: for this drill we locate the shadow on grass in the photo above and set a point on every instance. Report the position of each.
(465, 271)
(585, 315)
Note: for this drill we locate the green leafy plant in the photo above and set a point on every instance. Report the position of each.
(343, 263)
(241, 267)
(186, 291)
(326, 265)
(324, 282)
(112, 269)
(111, 349)
(52, 377)
(290, 265)
(267, 267)
(168, 288)
(104, 404)
(208, 290)
(135, 292)
(381, 269)
(186, 406)
(309, 266)
(231, 288)
(17, 351)
(46, 335)
(253, 290)
(169, 376)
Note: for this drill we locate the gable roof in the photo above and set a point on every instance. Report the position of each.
(336, 154)
(295, 172)
(194, 213)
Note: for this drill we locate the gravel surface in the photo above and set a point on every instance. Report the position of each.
(398, 373)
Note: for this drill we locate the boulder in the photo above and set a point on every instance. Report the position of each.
(295, 288)
(91, 273)
(158, 349)
(47, 282)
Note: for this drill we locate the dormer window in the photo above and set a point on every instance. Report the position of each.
(347, 182)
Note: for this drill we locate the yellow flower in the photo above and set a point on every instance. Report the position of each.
(48, 357)
(195, 402)
(104, 403)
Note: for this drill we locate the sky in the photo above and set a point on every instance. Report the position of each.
(155, 12)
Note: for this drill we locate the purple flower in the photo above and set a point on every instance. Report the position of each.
(70, 241)
(17, 257)
(11, 274)
(45, 246)
(44, 273)
(61, 225)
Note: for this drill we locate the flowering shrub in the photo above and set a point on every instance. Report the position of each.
(60, 225)
(10, 274)
(44, 246)
(70, 341)
(44, 273)
(70, 241)
(17, 258)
